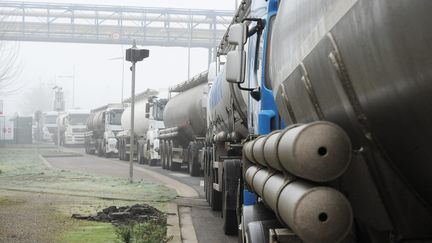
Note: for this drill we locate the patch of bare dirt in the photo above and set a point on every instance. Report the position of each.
(28, 217)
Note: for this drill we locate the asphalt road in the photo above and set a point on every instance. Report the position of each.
(207, 224)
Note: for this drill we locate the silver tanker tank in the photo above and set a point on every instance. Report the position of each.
(147, 121)
(187, 112)
(366, 66)
(224, 97)
(95, 122)
(185, 121)
(141, 122)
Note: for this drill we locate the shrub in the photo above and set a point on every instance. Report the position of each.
(151, 232)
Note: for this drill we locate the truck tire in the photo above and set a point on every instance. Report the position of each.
(194, 166)
(175, 166)
(140, 157)
(162, 154)
(153, 162)
(231, 176)
(120, 149)
(169, 155)
(207, 178)
(99, 150)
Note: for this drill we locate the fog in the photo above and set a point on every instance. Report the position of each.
(98, 68)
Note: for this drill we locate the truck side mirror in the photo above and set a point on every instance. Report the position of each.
(237, 34)
(236, 60)
(235, 67)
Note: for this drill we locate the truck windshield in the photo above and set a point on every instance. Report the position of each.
(158, 112)
(115, 117)
(78, 119)
(50, 119)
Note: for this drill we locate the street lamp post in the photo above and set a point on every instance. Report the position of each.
(123, 62)
(133, 55)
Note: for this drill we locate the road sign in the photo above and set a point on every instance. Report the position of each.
(6, 129)
(115, 35)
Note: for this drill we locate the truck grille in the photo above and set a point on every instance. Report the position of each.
(76, 130)
(52, 129)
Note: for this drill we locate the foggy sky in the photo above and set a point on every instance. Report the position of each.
(97, 78)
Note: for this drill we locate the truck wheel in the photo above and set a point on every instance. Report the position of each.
(162, 154)
(140, 157)
(169, 155)
(231, 176)
(207, 177)
(153, 162)
(194, 166)
(119, 149)
(98, 150)
(175, 166)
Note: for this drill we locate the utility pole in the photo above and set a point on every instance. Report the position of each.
(123, 65)
(133, 55)
(59, 106)
(73, 88)
(73, 84)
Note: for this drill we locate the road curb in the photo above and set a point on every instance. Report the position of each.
(173, 221)
(45, 162)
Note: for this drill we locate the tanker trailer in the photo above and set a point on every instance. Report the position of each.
(226, 127)
(103, 124)
(148, 117)
(185, 125)
(339, 149)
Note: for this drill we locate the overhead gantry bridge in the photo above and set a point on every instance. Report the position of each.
(80, 23)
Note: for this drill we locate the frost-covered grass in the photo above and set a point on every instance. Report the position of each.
(24, 172)
(25, 169)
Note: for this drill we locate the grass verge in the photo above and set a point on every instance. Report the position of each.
(33, 188)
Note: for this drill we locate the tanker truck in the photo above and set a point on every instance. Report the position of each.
(148, 122)
(49, 120)
(338, 121)
(103, 124)
(73, 126)
(182, 139)
(227, 126)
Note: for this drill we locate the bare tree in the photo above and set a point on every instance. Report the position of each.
(10, 83)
